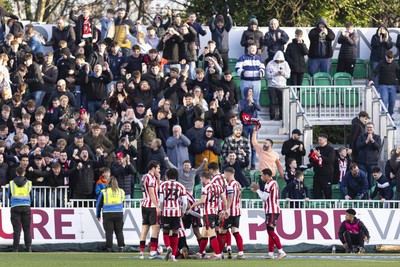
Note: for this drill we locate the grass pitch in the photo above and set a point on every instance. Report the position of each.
(253, 260)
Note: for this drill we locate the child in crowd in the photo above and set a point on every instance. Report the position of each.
(341, 165)
(296, 190)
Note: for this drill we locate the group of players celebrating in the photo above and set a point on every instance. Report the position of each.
(167, 204)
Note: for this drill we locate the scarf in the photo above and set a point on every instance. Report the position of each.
(87, 30)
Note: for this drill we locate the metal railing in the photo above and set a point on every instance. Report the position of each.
(64, 202)
(304, 106)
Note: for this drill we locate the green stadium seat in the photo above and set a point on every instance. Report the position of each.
(322, 79)
(232, 64)
(360, 69)
(334, 63)
(329, 96)
(197, 191)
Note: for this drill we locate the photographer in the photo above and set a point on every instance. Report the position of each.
(381, 42)
(348, 50)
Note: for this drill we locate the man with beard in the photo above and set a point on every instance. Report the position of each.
(294, 148)
(237, 144)
(268, 158)
(357, 129)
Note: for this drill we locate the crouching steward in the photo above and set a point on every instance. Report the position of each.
(353, 233)
(111, 202)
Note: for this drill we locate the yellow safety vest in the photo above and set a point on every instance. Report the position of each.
(23, 191)
(109, 198)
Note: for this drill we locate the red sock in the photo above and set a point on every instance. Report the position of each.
(153, 244)
(221, 240)
(142, 246)
(277, 240)
(239, 241)
(167, 241)
(174, 244)
(228, 238)
(215, 245)
(270, 242)
(203, 245)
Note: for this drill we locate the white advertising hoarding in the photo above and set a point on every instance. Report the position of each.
(294, 226)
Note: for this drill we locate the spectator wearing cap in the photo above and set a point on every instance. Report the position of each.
(124, 171)
(251, 70)
(19, 131)
(357, 128)
(62, 32)
(236, 143)
(169, 45)
(93, 139)
(177, 147)
(352, 233)
(389, 75)
(207, 147)
(77, 146)
(220, 35)
(275, 39)
(294, 148)
(253, 36)
(104, 111)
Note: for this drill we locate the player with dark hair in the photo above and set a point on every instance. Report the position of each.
(150, 209)
(172, 203)
(272, 211)
(353, 232)
(210, 194)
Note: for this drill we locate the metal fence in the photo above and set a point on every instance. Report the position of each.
(57, 197)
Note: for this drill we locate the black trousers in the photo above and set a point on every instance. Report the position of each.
(346, 65)
(21, 216)
(113, 222)
(322, 187)
(225, 59)
(275, 102)
(354, 239)
(296, 78)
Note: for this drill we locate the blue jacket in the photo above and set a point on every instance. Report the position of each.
(177, 150)
(353, 186)
(278, 44)
(383, 187)
(295, 190)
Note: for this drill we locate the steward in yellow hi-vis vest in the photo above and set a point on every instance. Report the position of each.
(20, 194)
(111, 202)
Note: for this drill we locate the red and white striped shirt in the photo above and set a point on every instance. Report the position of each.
(212, 193)
(191, 201)
(271, 204)
(149, 183)
(234, 189)
(219, 179)
(172, 196)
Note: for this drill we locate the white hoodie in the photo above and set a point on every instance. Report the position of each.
(277, 73)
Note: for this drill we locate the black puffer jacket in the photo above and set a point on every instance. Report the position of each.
(124, 175)
(349, 48)
(294, 55)
(257, 36)
(315, 41)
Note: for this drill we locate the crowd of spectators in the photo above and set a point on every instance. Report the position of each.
(106, 102)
